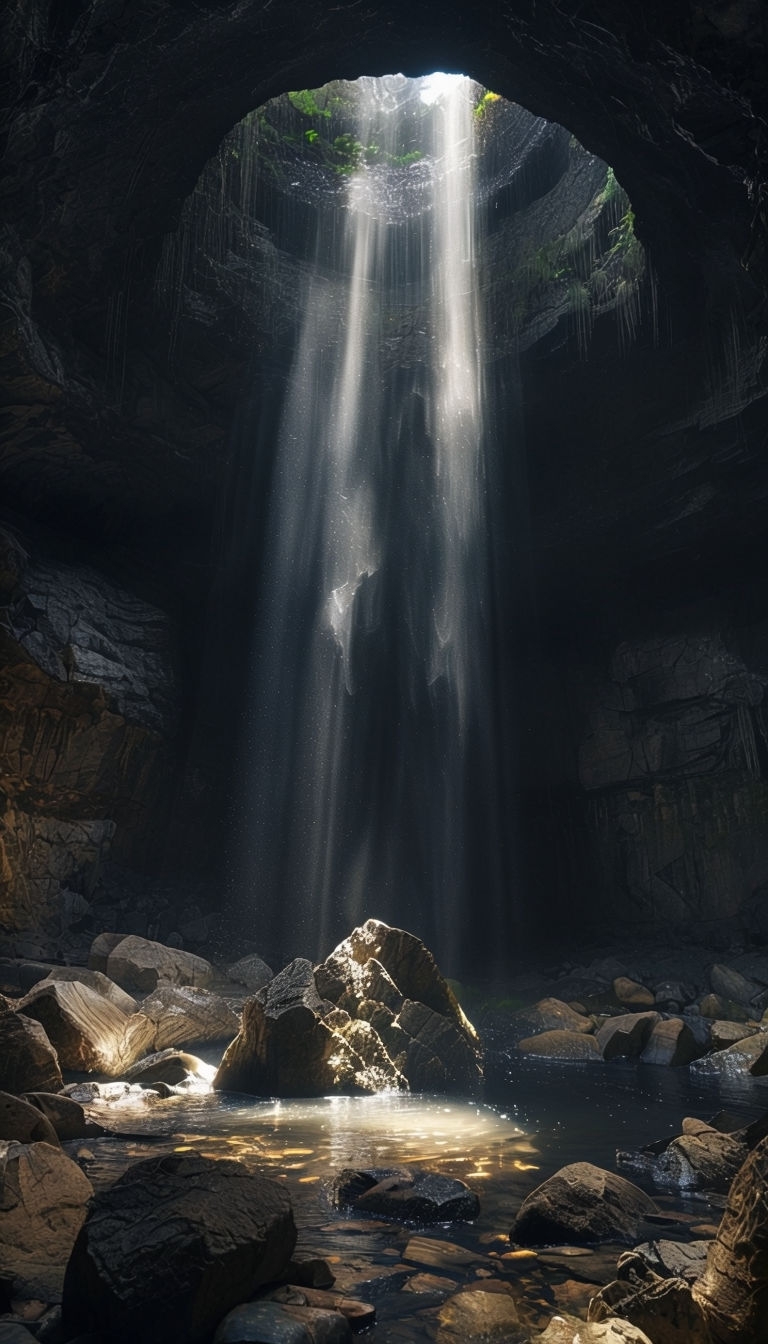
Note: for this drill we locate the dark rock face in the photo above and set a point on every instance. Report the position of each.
(172, 1246)
(310, 1032)
(583, 1204)
(406, 1193)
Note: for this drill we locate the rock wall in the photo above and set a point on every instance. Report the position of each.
(87, 722)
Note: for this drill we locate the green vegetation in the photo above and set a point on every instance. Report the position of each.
(486, 102)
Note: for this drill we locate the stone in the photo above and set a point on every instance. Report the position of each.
(168, 1066)
(408, 1194)
(361, 1315)
(663, 1309)
(142, 965)
(28, 1061)
(13, 1333)
(707, 1160)
(632, 994)
(673, 994)
(172, 1246)
(97, 981)
(747, 1056)
(573, 1330)
(547, 1015)
(565, 1045)
(732, 1291)
(309, 1271)
(476, 1315)
(282, 1323)
(715, 1006)
(23, 1122)
(670, 1259)
(102, 945)
(671, 1043)
(725, 1034)
(250, 971)
(184, 1015)
(731, 984)
(43, 1197)
(438, 1254)
(583, 1204)
(89, 1033)
(439, 1057)
(66, 1116)
(626, 1035)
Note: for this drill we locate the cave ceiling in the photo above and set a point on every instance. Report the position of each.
(115, 109)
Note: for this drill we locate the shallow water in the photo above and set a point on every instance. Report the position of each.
(536, 1119)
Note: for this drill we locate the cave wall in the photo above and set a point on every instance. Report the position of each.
(646, 467)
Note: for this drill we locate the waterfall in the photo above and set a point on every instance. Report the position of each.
(370, 760)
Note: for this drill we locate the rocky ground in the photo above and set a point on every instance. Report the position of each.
(192, 1247)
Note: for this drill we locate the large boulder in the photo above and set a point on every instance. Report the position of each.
(282, 1323)
(546, 1015)
(732, 1291)
(138, 964)
(352, 1024)
(731, 984)
(185, 1015)
(292, 1043)
(671, 1042)
(626, 1035)
(65, 1115)
(23, 1122)
(704, 1160)
(28, 1061)
(90, 1034)
(172, 1246)
(573, 1046)
(43, 1198)
(96, 981)
(582, 1204)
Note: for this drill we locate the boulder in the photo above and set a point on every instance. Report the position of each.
(715, 1006)
(102, 945)
(732, 1291)
(671, 1259)
(184, 1015)
(43, 1197)
(547, 1015)
(476, 1314)
(23, 1122)
(725, 1034)
(631, 994)
(65, 1115)
(90, 1034)
(172, 1246)
(282, 1323)
(141, 965)
(250, 971)
(731, 984)
(582, 1204)
(573, 1330)
(28, 1061)
(168, 1066)
(672, 1043)
(626, 1035)
(292, 1043)
(94, 980)
(361, 1315)
(11, 1332)
(407, 1194)
(707, 1160)
(662, 1308)
(561, 1045)
(673, 994)
(747, 1056)
(439, 1057)
(408, 963)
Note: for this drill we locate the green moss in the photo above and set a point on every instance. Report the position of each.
(486, 102)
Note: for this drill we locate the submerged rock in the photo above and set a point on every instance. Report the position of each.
(172, 1246)
(410, 1194)
(582, 1204)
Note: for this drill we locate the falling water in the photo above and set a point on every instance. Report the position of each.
(372, 761)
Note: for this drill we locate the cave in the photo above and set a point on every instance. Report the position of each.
(173, 179)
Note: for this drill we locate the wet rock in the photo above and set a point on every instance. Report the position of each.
(185, 1015)
(409, 1194)
(561, 1045)
(747, 1056)
(23, 1122)
(583, 1204)
(673, 994)
(439, 1055)
(89, 1033)
(43, 1197)
(662, 1308)
(670, 1259)
(172, 1246)
(360, 1315)
(707, 1160)
(631, 994)
(547, 1015)
(250, 971)
(439, 1254)
(731, 984)
(28, 1061)
(168, 1066)
(573, 1330)
(725, 1034)
(671, 1043)
(715, 1006)
(732, 1291)
(65, 1115)
(282, 1323)
(626, 1035)
(142, 965)
(475, 1314)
